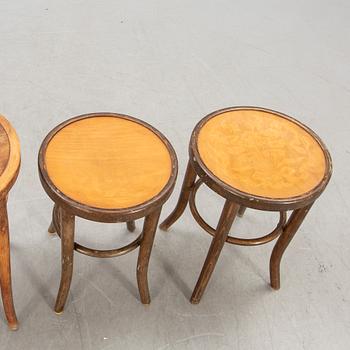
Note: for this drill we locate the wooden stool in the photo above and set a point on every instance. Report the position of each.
(254, 158)
(10, 159)
(106, 167)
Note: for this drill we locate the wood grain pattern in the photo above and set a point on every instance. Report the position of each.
(108, 162)
(261, 153)
(4, 149)
(10, 156)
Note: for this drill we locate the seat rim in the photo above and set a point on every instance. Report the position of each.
(248, 199)
(11, 170)
(106, 214)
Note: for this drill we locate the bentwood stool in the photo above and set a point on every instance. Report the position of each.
(10, 159)
(255, 158)
(106, 167)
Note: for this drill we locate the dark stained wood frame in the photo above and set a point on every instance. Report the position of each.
(237, 202)
(66, 209)
(7, 180)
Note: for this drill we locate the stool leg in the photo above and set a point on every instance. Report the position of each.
(67, 249)
(149, 230)
(5, 268)
(51, 228)
(226, 219)
(241, 211)
(187, 185)
(131, 225)
(290, 229)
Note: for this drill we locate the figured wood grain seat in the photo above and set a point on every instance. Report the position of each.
(4, 149)
(260, 158)
(10, 157)
(261, 153)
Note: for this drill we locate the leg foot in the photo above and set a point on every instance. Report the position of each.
(13, 327)
(149, 230)
(67, 249)
(294, 222)
(189, 180)
(5, 268)
(226, 219)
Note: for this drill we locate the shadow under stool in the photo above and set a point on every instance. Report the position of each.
(10, 159)
(254, 158)
(106, 167)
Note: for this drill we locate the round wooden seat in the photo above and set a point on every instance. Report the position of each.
(10, 159)
(107, 161)
(261, 154)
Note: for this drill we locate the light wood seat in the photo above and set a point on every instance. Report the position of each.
(108, 162)
(10, 155)
(261, 153)
(10, 160)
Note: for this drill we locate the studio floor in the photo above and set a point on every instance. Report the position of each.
(170, 63)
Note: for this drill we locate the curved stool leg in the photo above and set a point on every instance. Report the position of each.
(51, 228)
(131, 225)
(241, 211)
(67, 250)
(294, 222)
(5, 268)
(226, 219)
(187, 185)
(149, 230)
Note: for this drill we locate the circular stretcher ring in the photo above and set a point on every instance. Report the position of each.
(234, 240)
(95, 252)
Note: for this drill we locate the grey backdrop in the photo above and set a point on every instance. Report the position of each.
(170, 63)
